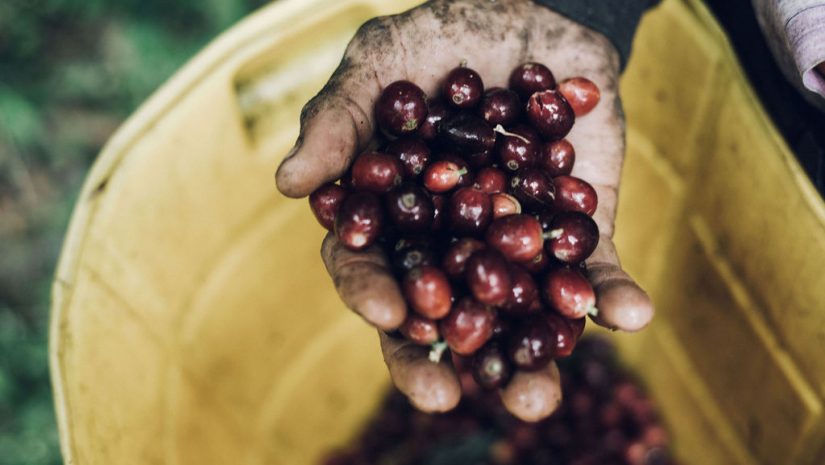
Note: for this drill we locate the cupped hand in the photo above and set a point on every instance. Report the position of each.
(422, 45)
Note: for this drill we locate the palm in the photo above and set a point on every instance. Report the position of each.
(422, 45)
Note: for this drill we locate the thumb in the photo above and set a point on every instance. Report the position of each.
(335, 125)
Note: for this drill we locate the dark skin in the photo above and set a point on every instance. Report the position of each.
(422, 45)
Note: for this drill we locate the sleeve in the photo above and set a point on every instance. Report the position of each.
(616, 19)
(805, 29)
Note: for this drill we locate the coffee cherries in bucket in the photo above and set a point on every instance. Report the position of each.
(470, 195)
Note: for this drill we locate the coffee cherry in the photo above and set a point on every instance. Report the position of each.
(524, 294)
(505, 205)
(518, 237)
(442, 176)
(491, 368)
(500, 106)
(469, 211)
(410, 208)
(574, 194)
(421, 330)
(577, 325)
(531, 345)
(412, 256)
(401, 108)
(538, 263)
(568, 292)
(530, 78)
(561, 334)
(574, 236)
(437, 111)
(582, 94)
(478, 160)
(467, 176)
(550, 114)
(467, 133)
(324, 203)
(413, 154)
(533, 188)
(455, 258)
(463, 88)
(557, 157)
(376, 172)
(428, 291)
(491, 180)
(439, 203)
(468, 326)
(359, 220)
(518, 148)
(488, 277)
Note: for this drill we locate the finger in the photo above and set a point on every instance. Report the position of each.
(533, 396)
(364, 283)
(621, 303)
(431, 387)
(335, 125)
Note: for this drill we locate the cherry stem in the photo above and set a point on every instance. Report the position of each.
(593, 311)
(462, 172)
(437, 350)
(553, 234)
(500, 129)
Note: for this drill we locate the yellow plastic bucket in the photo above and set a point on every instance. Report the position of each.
(178, 336)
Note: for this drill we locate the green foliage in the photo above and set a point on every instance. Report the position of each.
(70, 72)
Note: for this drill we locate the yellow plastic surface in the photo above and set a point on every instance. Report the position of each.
(193, 322)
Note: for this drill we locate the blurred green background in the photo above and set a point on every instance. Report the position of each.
(70, 72)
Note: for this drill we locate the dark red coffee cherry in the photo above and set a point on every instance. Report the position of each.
(574, 194)
(491, 180)
(438, 110)
(401, 108)
(442, 176)
(491, 368)
(533, 188)
(467, 133)
(550, 114)
(359, 220)
(582, 94)
(524, 294)
(410, 208)
(518, 148)
(468, 326)
(428, 291)
(564, 340)
(420, 330)
(531, 345)
(518, 237)
(463, 88)
(412, 256)
(530, 78)
(538, 263)
(439, 204)
(500, 106)
(324, 203)
(469, 211)
(577, 325)
(573, 237)
(557, 157)
(376, 172)
(569, 293)
(488, 277)
(455, 258)
(478, 160)
(505, 205)
(413, 154)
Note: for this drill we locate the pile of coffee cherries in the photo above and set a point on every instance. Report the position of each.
(471, 196)
(606, 419)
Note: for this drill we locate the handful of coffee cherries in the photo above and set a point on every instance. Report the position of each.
(470, 195)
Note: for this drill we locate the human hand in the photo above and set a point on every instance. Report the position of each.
(422, 45)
